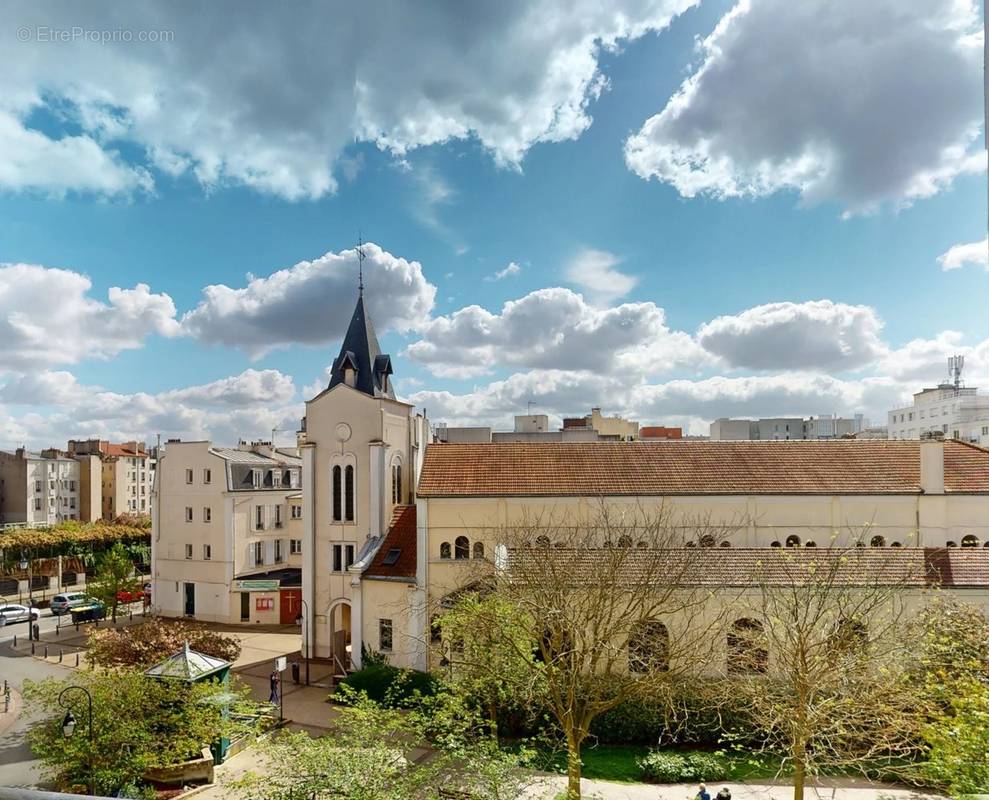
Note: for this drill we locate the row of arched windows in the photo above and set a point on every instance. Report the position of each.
(461, 549)
(747, 646)
(343, 493)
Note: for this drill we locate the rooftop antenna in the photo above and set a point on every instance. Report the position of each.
(955, 366)
(360, 264)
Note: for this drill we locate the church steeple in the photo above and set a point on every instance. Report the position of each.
(361, 364)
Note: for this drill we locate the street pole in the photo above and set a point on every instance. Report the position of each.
(305, 637)
(69, 722)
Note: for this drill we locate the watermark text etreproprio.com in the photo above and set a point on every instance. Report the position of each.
(77, 33)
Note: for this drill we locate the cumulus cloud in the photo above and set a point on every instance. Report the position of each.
(824, 99)
(48, 317)
(819, 334)
(270, 98)
(246, 406)
(510, 271)
(553, 329)
(976, 253)
(310, 303)
(560, 393)
(594, 271)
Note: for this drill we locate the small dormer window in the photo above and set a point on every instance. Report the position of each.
(350, 376)
(256, 478)
(276, 478)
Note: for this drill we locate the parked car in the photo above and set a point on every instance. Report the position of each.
(10, 614)
(63, 603)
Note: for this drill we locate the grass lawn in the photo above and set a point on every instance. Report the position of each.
(618, 763)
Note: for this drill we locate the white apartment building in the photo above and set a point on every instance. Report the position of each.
(773, 429)
(957, 412)
(38, 488)
(226, 537)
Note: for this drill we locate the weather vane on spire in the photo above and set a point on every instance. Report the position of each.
(360, 264)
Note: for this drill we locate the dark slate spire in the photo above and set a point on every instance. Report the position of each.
(360, 352)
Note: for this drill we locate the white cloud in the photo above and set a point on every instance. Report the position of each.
(594, 271)
(859, 103)
(553, 329)
(311, 302)
(271, 97)
(976, 253)
(245, 406)
(48, 317)
(510, 271)
(819, 334)
(70, 164)
(559, 394)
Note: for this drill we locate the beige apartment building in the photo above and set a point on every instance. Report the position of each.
(38, 488)
(126, 475)
(226, 540)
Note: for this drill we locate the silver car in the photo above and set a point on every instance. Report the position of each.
(10, 614)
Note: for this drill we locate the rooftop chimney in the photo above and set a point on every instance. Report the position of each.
(932, 466)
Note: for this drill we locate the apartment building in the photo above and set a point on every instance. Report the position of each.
(607, 428)
(771, 429)
(38, 488)
(126, 475)
(956, 412)
(226, 542)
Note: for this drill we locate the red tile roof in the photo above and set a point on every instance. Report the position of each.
(749, 566)
(845, 466)
(402, 537)
(120, 450)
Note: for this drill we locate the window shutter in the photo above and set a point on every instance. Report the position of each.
(269, 552)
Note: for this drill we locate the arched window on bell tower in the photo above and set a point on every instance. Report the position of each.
(348, 493)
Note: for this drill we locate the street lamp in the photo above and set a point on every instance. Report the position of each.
(26, 567)
(69, 725)
(305, 636)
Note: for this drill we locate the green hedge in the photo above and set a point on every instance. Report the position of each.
(389, 685)
(659, 767)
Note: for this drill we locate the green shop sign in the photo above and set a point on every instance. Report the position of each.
(257, 586)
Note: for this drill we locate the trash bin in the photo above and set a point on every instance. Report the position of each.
(295, 672)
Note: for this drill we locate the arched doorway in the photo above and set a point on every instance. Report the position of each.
(338, 619)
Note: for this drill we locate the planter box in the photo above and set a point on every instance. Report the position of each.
(198, 770)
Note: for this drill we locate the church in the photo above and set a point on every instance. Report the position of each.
(392, 521)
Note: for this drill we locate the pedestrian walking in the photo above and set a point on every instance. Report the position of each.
(703, 793)
(724, 794)
(276, 679)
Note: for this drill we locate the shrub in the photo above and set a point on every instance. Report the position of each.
(154, 640)
(388, 685)
(664, 767)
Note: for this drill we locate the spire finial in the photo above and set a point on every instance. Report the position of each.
(360, 264)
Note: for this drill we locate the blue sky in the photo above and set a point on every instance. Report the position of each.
(697, 230)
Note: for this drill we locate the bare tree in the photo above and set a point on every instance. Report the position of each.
(818, 656)
(610, 602)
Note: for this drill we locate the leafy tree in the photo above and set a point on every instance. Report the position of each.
(154, 640)
(817, 657)
(958, 738)
(137, 722)
(488, 654)
(370, 753)
(114, 574)
(952, 673)
(608, 598)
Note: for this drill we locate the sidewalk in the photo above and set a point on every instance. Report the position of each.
(550, 786)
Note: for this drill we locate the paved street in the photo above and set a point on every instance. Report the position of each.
(18, 767)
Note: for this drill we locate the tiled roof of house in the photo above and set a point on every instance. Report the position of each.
(120, 451)
(396, 558)
(693, 468)
(744, 566)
